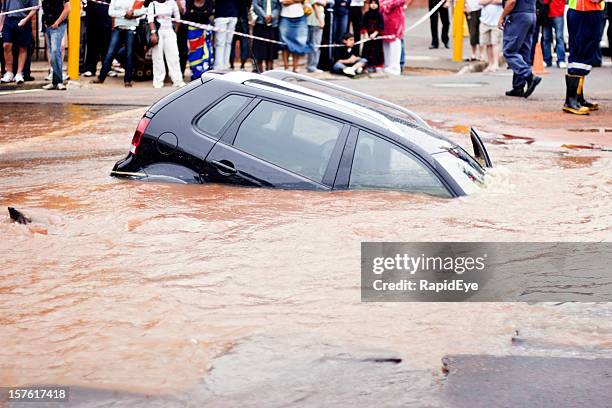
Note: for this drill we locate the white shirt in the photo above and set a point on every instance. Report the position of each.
(117, 10)
(293, 10)
(163, 11)
(473, 5)
(359, 3)
(490, 14)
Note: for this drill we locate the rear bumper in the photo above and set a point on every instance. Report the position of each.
(128, 168)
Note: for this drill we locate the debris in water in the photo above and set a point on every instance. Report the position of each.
(17, 216)
(517, 339)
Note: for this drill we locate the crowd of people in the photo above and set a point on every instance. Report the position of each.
(131, 33)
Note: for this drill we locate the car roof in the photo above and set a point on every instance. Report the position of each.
(405, 130)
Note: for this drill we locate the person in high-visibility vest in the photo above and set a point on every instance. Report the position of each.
(584, 26)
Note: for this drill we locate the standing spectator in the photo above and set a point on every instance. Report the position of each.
(555, 15)
(442, 13)
(341, 19)
(373, 25)
(16, 29)
(518, 20)
(316, 22)
(584, 27)
(266, 26)
(55, 13)
(490, 34)
(355, 17)
(472, 15)
(164, 42)
(124, 31)
(395, 23)
(349, 61)
(242, 26)
(293, 32)
(226, 17)
(199, 40)
(99, 27)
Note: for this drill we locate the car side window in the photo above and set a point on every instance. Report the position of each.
(216, 117)
(296, 140)
(379, 164)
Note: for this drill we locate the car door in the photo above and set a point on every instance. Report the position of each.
(371, 162)
(279, 145)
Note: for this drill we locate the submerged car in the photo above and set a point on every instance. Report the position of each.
(268, 130)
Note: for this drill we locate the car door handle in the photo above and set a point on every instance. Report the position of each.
(224, 166)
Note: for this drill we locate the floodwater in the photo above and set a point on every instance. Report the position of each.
(236, 295)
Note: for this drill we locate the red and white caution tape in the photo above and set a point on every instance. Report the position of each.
(7, 13)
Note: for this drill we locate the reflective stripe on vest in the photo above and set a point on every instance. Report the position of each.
(585, 5)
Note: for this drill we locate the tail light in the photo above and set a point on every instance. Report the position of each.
(140, 129)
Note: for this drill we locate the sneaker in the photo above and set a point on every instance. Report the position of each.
(359, 70)
(97, 81)
(548, 65)
(48, 87)
(49, 77)
(562, 65)
(112, 73)
(61, 87)
(179, 85)
(7, 77)
(19, 78)
(350, 71)
(65, 77)
(87, 74)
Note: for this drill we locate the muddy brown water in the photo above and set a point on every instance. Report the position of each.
(156, 288)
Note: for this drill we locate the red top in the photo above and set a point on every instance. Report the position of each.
(557, 7)
(395, 20)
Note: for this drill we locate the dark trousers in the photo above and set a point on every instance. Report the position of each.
(518, 40)
(536, 39)
(340, 26)
(181, 39)
(584, 35)
(242, 26)
(355, 16)
(98, 39)
(442, 13)
(119, 36)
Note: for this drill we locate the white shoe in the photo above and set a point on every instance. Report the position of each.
(49, 77)
(87, 74)
(19, 78)
(112, 73)
(7, 77)
(61, 87)
(179, 85)
(359, 70)
(562, 65)
(158, 86)
(48, 87)
(350, 71)
(65, 77)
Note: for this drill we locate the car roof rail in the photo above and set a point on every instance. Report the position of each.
(283, 75)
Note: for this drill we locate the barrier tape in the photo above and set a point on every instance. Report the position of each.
(209, 27)
(6, 13)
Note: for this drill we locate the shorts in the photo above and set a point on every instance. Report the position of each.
(473, 21)
(490, 35)
(12, 33)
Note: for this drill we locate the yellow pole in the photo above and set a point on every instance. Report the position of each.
(458, 18)
(74, 38)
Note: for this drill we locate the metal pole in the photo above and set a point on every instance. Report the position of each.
(74, 38)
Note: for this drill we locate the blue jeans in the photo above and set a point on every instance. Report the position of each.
(340, 26)
(315, 34)
(338, 66)
(518, 40)
(547, 36)
(54, 42)
(117, 37)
